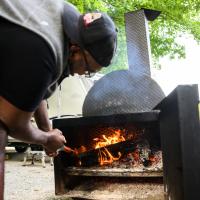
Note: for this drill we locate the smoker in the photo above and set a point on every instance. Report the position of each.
(145, 122)
(173, 127)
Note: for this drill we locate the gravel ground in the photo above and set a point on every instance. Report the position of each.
(33, 182)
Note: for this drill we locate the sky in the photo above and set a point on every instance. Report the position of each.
(180, 71)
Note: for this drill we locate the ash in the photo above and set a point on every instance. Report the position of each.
(139, 161)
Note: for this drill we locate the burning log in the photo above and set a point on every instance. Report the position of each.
(111, 152)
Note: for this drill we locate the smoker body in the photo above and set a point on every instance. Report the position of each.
(80, 131)
(126, 100)
(174, 124)
(180, 139)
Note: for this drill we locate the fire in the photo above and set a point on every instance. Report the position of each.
(112, 139)
(138, 156)
(104, 156)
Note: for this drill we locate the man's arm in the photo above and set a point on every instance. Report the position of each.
(43, 123)
(20, 127)
(42, 118)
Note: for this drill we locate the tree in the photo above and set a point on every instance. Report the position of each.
(177, 18)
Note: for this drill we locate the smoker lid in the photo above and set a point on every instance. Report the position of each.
(122, 92)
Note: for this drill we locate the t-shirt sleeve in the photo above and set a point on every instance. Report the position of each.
(27, 66)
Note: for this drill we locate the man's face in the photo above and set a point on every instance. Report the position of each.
(81, 62)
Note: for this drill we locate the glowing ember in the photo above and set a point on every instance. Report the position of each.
(81, 149)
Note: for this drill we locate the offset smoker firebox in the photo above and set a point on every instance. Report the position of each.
(133, 135)
(122, 142)
(174, 124)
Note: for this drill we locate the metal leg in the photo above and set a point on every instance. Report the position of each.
(32, 159)
(43, 159)
(51, 161)
(25, 159)
(3, 139)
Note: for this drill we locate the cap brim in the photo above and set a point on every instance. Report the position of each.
(70, 22)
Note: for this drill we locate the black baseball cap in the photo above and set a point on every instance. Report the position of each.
(97, 35)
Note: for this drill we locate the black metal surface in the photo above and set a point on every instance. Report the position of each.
(107, 120)
(59, 177)
(151, 14)
(138, 43)
(122, 92)
(180, 141)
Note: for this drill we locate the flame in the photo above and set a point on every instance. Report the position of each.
(113, 136)
(112, 139)
(104, 156)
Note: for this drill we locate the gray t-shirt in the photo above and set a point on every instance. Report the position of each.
(43, 17)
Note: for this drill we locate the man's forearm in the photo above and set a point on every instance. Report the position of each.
(29, 134)
(19, 126)
(41, 117)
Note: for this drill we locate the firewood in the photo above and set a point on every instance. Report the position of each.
(91, 158)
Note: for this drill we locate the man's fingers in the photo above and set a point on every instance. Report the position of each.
(60, 132)
(64, 139)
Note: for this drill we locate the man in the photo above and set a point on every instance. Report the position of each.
(41, 43)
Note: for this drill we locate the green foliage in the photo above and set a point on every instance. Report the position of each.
(177, 18)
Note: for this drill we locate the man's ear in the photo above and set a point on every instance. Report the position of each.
(74, 48)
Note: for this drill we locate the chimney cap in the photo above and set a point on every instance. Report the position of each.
(151, 14)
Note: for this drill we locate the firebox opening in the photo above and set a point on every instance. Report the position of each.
(118, 145)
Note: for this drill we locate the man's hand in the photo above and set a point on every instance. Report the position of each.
(43, 123)
(55, 140)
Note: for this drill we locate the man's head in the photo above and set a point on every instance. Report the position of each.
(81, 61)
(94, 35)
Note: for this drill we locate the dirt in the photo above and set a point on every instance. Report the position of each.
(31, 182)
